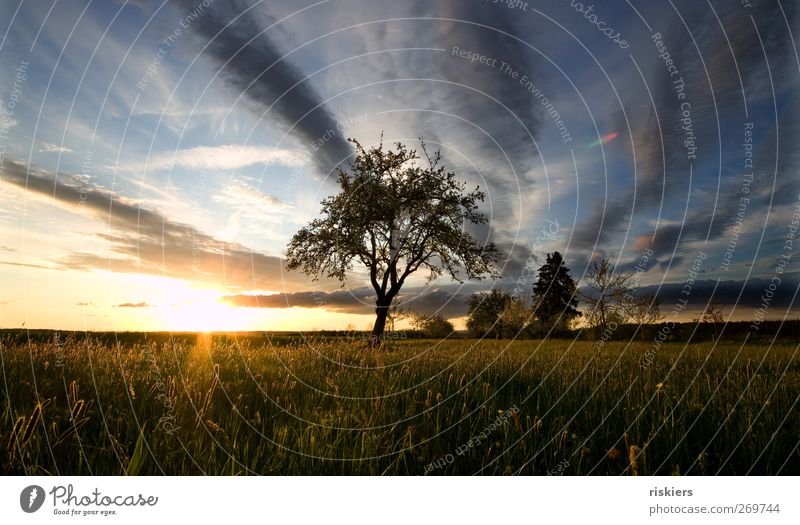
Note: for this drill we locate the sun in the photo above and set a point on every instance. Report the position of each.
(184, 306)
(206, 314)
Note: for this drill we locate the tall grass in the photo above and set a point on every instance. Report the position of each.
(225, 407)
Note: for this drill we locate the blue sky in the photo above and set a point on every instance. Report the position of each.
(154, 146)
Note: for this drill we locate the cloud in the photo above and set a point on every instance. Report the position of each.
(6, 121)
(731, 68)
(236, 36)
(227, 157)
(447, 300)
(145, 241)
(739, 293)
(132, 305)
(47, 147)
(242, 196)
(29, 265)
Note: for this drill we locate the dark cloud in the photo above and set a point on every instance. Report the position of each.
(483, 94)
(235, 32)
(449, 301)
(132, 305)
(741, 294)
(145, 241)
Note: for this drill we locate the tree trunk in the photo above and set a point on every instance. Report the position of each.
(381, 313)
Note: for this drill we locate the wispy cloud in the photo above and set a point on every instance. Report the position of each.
(146, 241)
(226, 157)
(238, 41)
(449, 300)
(132, 305)
(47, 147)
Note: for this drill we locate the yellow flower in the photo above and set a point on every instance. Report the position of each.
(660, 386)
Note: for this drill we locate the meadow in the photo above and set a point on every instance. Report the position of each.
(227, 405)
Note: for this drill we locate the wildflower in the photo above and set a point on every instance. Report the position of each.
(517, 424)
(636, 457)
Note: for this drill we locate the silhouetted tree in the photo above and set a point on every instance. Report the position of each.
(431, 325)
(516, 319)
(395, 214)
(645, 310)
(714, 315)
(485, 313)
(605, 294)
(554, 294)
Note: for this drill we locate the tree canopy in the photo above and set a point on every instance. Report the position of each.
(396, 213)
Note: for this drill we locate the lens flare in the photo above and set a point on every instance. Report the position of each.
(605, 139)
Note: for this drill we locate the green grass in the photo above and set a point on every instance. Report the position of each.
(83, 407)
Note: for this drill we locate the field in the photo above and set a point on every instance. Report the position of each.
(222, 405)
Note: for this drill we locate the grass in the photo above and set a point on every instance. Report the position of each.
(224, 406)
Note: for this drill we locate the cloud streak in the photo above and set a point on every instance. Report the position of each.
(145, 241)
(226, 157)
(252, 63)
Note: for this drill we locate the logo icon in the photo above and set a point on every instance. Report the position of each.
(31, 498)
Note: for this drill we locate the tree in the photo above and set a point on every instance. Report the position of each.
(605, 293)
(714, 315)
(515, 320)
(431, 325)
(554, 294)
(395, 213)
(645, 310)
(485, 313)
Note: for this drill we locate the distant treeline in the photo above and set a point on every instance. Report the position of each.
(780, 331)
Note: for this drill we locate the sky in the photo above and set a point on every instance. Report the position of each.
(158, 156)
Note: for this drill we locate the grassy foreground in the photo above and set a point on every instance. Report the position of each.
(222, 407)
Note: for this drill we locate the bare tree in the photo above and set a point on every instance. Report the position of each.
(605, 294)
(430, 325)
(645, 310)
(714, 314)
